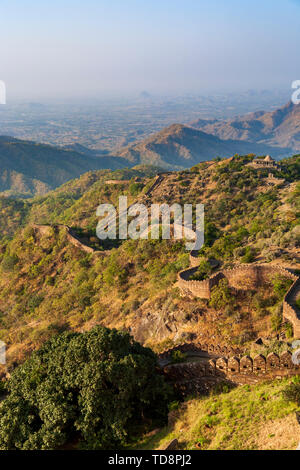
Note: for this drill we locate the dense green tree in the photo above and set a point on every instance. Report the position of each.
(92, 387)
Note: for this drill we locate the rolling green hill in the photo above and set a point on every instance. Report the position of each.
(180, 146)
(51, 284)
(28, 168)
(48, 285)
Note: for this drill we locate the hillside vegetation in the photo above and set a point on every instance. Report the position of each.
(86, 390)
(47, 285)
(245, 418)
(29, 168)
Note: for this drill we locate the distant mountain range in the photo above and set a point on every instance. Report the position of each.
(28, 168)
(277, 128)
(180, 146)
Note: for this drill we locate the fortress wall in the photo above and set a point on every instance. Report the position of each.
(241, 277)
(235, 370)
(250, 276)
(157, 181)
(117, 181)
(194, 259)
(289, 311)
(73, 239)
(245, 277)
(71, 236)
(201, 289)
(213, 349)
(197, 288)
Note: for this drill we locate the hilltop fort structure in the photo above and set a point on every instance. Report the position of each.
(266, 162)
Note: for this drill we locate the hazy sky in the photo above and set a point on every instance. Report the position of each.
(89, 47)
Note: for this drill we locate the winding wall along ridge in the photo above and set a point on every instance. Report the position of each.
(73, 238)
(243, 277)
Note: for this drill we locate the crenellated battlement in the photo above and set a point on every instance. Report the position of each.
(202, 375)
(210, 348)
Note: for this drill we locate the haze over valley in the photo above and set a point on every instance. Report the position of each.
(29, 168)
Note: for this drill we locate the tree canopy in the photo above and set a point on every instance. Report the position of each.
(92, 388)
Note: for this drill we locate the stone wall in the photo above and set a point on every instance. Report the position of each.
(71, 236)
(290, 310)
(194, 259)
(210, 348)
(117, 181)
(197, 288)
(200, 376)
(252, 276)
(74, 240)
(158, 179)
(243, 278)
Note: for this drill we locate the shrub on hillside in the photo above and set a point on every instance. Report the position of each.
(135, 188)
(221, 296)
(178, 356)
(292, 392)
(281, 285)
(249, 255)
(276, 319)
(9, 262)
(92, 387)
(203, 272)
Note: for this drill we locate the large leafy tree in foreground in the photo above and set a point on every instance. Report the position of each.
(92, 387)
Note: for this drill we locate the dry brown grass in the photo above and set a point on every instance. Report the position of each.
(280, 434)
